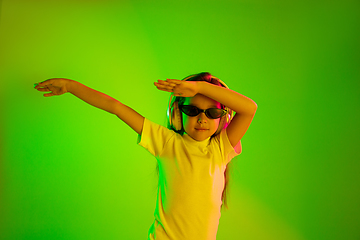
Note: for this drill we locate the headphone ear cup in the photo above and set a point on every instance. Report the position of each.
(176, 117)
(221, 125)
(224, 121)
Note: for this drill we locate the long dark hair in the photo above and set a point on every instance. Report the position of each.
(206, 77)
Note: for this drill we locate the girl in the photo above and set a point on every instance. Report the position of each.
(192, 153)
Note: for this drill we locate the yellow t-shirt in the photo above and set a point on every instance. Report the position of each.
(191, 182)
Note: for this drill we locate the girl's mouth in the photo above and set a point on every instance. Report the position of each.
(201, 129)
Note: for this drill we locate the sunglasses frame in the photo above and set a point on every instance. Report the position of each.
(206, 111)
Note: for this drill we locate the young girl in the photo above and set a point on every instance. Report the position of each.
(192, 153)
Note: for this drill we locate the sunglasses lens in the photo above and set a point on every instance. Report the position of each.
(215, 113)
(190, 110)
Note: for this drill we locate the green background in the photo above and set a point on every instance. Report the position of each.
(71, 171)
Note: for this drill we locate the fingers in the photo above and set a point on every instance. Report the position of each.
(49, 94)
(42, 85)
(165, 86)
(44, 89)
(46, 83)
(167, 83)
(37, 85)
(174, 81)
(45, 86)
(56, 86)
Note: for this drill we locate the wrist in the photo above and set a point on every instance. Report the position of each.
(200, 86)
(70, 85)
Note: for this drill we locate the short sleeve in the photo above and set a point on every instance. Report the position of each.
(154, 137)
(228, 150)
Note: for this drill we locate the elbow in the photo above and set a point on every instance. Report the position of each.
(255, 108)
(114, 107)
(255, 105)
(252, 109)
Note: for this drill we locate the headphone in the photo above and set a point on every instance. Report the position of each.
(175, 116)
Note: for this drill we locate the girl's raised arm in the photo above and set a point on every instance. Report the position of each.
(58, 86)
(244, 107)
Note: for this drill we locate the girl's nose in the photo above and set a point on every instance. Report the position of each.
(202, 118)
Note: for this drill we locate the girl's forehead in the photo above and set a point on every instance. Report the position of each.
(202, 101)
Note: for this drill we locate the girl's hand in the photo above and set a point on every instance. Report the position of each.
(178, 88)
(56, 86)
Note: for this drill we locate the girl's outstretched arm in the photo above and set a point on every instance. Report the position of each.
(244, 107)
(58, 86)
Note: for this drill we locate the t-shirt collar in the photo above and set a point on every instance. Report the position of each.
(203, 143)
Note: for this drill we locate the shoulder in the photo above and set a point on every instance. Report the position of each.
(155, 132)
(225, 145)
